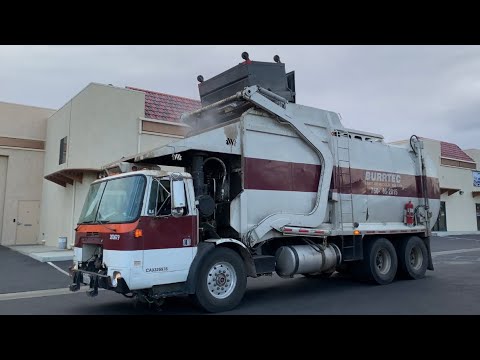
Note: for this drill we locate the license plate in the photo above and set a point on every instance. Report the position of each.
(86, 279)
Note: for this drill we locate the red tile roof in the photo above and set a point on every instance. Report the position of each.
(166, 107)
(452, 151)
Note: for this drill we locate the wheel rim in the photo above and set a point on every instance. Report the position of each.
(416, 258)
(383, 261)
(221, 280)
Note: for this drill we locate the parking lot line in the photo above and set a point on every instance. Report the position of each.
(453, 238)
(59, 269)
(459, 251)
(39, 293)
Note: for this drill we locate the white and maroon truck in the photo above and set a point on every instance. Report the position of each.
(268, 186)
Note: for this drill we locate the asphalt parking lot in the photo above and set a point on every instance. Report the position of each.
(453, 288)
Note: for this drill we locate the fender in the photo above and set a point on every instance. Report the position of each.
(205, 247)
(241, 249)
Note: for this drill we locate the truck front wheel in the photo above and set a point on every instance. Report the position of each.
(221, 281)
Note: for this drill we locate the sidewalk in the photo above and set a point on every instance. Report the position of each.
(43, 253)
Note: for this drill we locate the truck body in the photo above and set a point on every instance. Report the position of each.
(268, 186)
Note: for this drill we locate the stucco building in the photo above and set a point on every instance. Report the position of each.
(99, 125)
(460, 194)
(22, 151)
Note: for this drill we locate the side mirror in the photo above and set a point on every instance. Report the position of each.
(178, 195)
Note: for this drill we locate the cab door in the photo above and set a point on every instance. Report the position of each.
(168, 241)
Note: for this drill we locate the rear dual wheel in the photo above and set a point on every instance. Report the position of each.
(379, 263)
(413, 258)
(382, 261)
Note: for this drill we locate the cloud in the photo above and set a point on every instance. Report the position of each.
(396, 91)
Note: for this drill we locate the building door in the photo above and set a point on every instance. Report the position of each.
(27, 222)
(478, 216)
(441, 224)
(3, 182)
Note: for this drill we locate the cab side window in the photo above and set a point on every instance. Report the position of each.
(159, 203)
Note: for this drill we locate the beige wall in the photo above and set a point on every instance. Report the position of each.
(23, 182)
(104, 125)
(148, 142)
(100, 124)
(57, 128)
(21, 121)
(21, 168)
(53, 212)
(474, 154)
(461, 212)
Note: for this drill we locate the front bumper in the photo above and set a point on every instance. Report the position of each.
(96, 281)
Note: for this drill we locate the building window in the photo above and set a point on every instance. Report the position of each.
(458, 163)
(63, 151)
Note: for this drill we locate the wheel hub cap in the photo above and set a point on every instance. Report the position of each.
(221, 280)
(383, 261)
(416, 258)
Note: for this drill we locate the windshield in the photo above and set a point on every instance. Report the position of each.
(114, 201)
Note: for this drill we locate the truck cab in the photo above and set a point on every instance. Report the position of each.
(136, 230)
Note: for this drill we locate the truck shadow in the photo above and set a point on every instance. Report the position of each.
(266, 295)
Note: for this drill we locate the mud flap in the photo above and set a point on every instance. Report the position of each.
(202, 250)
(430, 261)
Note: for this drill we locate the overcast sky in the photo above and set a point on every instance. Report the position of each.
(397, 91)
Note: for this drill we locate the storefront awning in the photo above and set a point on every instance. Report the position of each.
(68, 176)
(475, 193)
(449, 191)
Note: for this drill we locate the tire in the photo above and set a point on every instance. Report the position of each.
(380, 262)
(220, 266)
(412, 258)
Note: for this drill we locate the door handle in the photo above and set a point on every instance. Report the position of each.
(19, 223)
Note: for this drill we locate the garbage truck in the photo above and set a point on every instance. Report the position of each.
(265, 186)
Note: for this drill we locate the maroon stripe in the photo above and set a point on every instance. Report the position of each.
(383, 183)
(261, 174)
(168, 233)
(157, 233)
